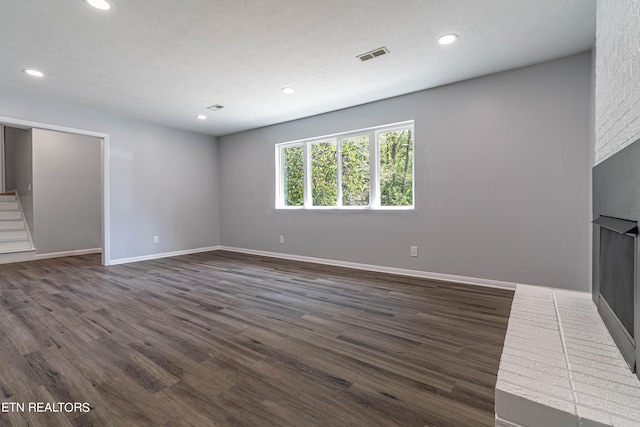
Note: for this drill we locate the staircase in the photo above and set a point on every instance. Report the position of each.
(15, 240)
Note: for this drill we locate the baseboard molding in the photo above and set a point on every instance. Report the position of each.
(162, 255)
(69, 253)
(379, 269)
(358, 266)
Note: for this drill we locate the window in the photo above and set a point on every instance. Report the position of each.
(324, 173)
(293, 173)
(355, 171)
(371, 168)
(396, 167)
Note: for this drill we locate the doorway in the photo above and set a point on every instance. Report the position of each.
(104, 162)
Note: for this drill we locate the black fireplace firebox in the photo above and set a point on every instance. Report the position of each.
(617, 280)
(616, 209)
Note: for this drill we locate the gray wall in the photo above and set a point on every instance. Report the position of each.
(502, 181)
(19, 168)
(2, 155)
(67, 192)
(162, 181)
(592, 158)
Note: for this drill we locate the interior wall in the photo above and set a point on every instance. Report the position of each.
(2, 167)
(617, 100)
(162, 181)
(67, 191)
(592, 158)
(19, 168)
(501, 182)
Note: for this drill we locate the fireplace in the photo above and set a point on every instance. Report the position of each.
(617, 280)
(616, 209)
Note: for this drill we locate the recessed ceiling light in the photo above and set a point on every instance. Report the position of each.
(288, 90)
(99, 4)
(448, 38)
(33, 72)
(201, 117)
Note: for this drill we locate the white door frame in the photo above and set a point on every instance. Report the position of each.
(104, 145)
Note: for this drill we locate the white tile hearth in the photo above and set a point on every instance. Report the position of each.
(560, 366)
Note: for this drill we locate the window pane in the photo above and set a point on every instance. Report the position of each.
(293, 176)
(396, 168)
(355, 171)
(324, 174)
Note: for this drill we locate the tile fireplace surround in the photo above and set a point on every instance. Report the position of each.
(560, 366)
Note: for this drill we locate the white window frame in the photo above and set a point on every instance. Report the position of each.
(374, 167)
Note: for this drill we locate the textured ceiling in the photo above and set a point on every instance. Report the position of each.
(167, 60)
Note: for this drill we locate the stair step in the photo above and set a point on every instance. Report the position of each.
(10, 224)
(9, 205)
(15, 241)
(15, 245)
(10, 214)
(13, 234)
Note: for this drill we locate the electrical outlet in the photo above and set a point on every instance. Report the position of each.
(156, 239)
(281, 239)
(414, 251)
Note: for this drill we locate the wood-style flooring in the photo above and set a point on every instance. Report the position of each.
(226, 339)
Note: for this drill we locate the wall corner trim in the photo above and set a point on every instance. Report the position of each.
(380, 269)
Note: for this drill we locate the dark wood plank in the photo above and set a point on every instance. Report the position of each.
(227, 339)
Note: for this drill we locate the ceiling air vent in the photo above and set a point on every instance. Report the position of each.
(215, 107)
(373, 54)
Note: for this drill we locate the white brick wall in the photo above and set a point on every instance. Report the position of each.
(560, 366)
(617, 76)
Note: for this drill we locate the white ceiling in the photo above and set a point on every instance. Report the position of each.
(166, 60)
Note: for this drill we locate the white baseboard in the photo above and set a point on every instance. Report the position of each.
(380, 269)
(162, 255)
(367, 267)
(69, 253)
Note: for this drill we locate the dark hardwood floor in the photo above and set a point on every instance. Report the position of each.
(225, 339)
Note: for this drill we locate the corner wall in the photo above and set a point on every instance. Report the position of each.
(501, 180)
